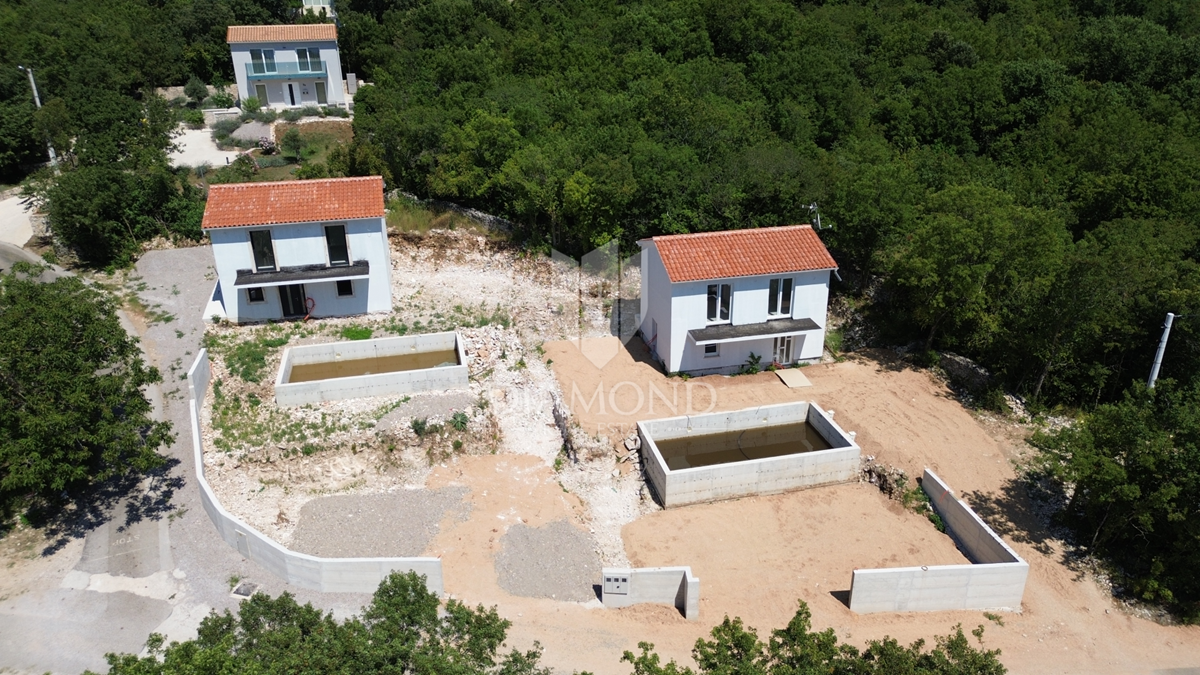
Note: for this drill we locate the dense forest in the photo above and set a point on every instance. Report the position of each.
(1017, 181)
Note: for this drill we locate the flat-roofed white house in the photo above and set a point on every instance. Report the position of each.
(287, 66)
(299, 248)
(711, 299)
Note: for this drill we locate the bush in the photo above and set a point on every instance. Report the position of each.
(459, 421)
(251, 105)
(292, 115)
(334, 111)
(291, 143)
(311, 171)
(248, 359)
(201, 169)
(223, 128)
(267, 146)
(221, 99)
(192, 117)
(311, 111)
(272, 161)
(196, 89)
(266, 115)
(241, 170)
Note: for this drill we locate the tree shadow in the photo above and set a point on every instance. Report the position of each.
(145, 497)
(1022, 511)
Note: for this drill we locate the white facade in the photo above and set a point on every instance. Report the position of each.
(286, 73)
(303, 245)
(670, 312)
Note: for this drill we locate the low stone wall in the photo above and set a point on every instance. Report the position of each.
(750, 477)
(996, 580)
(333, 575)
(378, 384)
(675, 586)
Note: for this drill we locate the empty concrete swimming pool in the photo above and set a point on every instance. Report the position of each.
(764, 450)
(380, 367)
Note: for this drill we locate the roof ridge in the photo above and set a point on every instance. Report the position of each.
(718, 233)
(308, 181)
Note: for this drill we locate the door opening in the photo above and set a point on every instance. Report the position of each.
(293, 300)
(783, 349)
(260, 90)
(321, 97)
(292, 93)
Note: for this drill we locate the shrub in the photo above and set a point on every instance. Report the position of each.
(292, 115)
(459, 421)
(311, 111)
(356, 333)
(334, 111)
(192, 117)
(251, 105)
(201, 169)
(311, 171)
(268, 162)
(292, 143)
(248, 359)
(223, 128)
(753, 364)
(266, 116)
(196, 89)
(267, 146)
(221, 99)
(241, 170)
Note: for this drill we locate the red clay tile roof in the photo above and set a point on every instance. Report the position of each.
(293, 201)
(742, 253)
(303, 33)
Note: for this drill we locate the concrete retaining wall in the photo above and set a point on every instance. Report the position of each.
(379, 384)
(334, 575)
(673, 586)
(757, 476)
(995, 581)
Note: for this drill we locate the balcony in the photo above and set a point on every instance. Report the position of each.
(286, 71)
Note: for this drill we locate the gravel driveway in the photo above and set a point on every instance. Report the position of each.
(557, 560)
(196, 147)
(396, 524)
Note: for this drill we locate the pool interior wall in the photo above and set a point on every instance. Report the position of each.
(775, 469)
(358, 378)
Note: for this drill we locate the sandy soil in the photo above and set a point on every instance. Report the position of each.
(756, 556)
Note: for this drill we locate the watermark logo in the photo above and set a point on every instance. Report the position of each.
(603, 273)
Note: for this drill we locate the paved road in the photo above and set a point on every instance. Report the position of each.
(162, 573)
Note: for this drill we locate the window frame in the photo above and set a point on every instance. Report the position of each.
(269, 59)
(257, 65)
(302, 59)
(781, 295)
(254, 254)
(716, 350)
(719, 304)
(338, 288)
(329, 248)
(315, 65)
(262, 295)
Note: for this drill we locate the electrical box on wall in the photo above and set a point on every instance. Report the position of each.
(616, 582)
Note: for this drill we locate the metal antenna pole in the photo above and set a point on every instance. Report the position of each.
(37, 100)
(1162, 347)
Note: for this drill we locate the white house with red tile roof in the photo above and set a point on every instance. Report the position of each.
(711, 299)
(299, 248)
(288, 66)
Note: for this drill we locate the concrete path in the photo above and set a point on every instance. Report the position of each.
(162, 573)
(14, 222)
(196, 147)
(10, 254)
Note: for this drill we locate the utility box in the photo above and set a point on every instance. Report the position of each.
(616, 582)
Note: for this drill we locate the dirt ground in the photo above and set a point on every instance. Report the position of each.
(755, 557)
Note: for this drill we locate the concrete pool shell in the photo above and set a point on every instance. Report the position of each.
(407, 363)
(805, 466)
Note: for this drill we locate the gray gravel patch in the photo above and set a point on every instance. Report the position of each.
(557, 560)
(427, 405)
(252, 131)
(395, 524)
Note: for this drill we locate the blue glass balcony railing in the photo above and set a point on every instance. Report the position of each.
(285, 70)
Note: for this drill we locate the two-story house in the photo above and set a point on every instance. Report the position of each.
(711, 299)
(287, 66)
(300, 248)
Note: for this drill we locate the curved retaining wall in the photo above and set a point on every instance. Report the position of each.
(996, 580)
(334, 575)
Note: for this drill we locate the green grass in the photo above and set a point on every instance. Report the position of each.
(357, 333)
(404, 215)
(248, 359)
(833, 341)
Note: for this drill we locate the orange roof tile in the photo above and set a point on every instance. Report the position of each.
(302, 33)
(742, 253)
(293, 201)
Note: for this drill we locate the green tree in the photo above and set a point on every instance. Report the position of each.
(196, 90)
(72, 408)
(1131, 466)
(404, 630)
(797, 650)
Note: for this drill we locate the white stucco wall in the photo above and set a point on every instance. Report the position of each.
(285, 53)
(681, 307)
(304, 244)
